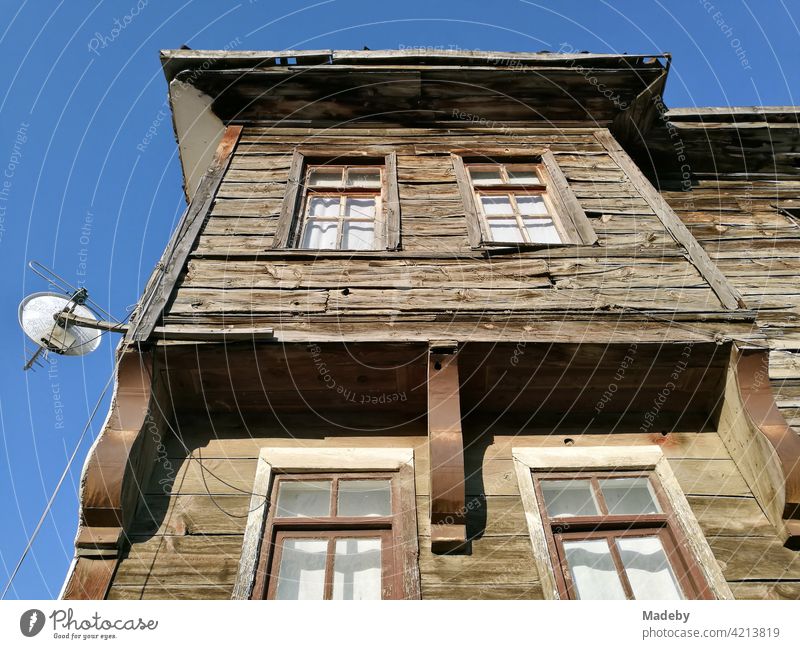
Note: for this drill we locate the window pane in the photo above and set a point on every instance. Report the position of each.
(523, 177)
(304, 498)
(365, 498)
(505, 230)
(320, 234)
(302, 570)
(629, 496)
(358, 235)
(592, 569)
(357, 569)
(531, 205)
(486, 176)
(360, 208)
(323, 206)
(542, 230)
(363, 178)
(496, 205)
(647, 568)
(569, 498)
(321, 177)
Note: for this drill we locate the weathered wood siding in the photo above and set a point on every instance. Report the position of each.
(736, 218)
(189, 527)
(233, 271)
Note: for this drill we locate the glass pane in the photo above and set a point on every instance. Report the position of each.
(357, 569)
(523, 177)
(532, 205)
(647, 568)
(486, 176)
(363, 178)
(569, 498)
(505, 230)
(358, 235)
(321, 177)
(360, 208)
(327, 206)
(542, 230)
(496, 205)
(592, 569)
(320, 235)
(364, 498)
(304, 498)
(629, 496)
(302, 570)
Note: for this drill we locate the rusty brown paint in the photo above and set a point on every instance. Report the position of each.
(752, 373)
(448, 520)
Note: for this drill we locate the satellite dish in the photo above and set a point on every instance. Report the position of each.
(39, 318)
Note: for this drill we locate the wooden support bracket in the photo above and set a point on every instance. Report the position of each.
(763, 445)
(112, 479)
(446, 450)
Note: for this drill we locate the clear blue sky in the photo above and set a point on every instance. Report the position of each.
(81, 198)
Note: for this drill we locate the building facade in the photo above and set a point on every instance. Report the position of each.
(457, 325)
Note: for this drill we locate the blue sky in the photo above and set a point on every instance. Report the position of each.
(77, 194)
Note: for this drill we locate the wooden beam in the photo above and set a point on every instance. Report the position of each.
(212, 333)
(446, 447)
(727, 294)
(162, 283)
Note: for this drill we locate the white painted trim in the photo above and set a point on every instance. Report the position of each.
(302, 460)
(651, 458)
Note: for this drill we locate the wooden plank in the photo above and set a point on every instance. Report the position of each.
(474, 230)
(755, 558)
(571, 205)
(192, 592)
(773, 590)
(488, 591)
(169, 561)
(289, 205)
(165, 277)
(392, 207)
(728, 295)
(507, 561)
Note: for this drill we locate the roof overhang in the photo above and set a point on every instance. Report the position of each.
(212, 88)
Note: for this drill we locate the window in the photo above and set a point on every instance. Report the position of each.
(613, 523)
(612, 536)
(342, 208)
(520, 201)
(340, 203)
(331, 523)
(331, 537)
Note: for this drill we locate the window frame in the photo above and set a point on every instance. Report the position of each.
(329, 528)
(643, 459)
(291, 220)
(564, 209)
(664, 525)
(286, 463)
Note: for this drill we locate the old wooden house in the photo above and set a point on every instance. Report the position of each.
(457, 324)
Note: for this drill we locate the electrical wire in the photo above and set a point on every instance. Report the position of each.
(61, 480)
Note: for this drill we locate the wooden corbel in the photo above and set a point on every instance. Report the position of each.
(446, 450)
(112, 479)
(764, 446)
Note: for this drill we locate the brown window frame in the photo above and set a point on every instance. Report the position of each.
(393, 531)
(665, 525)
(291, 220)
(564, 209)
